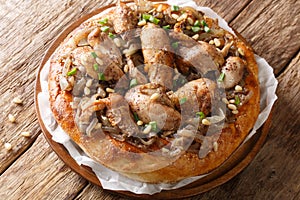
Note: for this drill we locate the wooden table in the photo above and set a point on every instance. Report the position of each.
(31, 170)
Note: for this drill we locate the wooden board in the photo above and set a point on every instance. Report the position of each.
(234, 164)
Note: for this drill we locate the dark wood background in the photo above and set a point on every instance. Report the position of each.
(31, 170)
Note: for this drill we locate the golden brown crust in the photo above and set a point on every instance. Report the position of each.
(117, 155)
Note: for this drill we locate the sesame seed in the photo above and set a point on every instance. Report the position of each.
(215, 146)
(195, 36)
(159, 8)
(99, 61)
(139, 123)
(7, 146)
(231, 101)
(154, 96)
(142, 23)
(232, 107)
(175, 16)
(17, 100)
(235, 112)
(11, 118)
(147, 129)
(238, 88)
(225, 100)
(109, 90)
(206, 122)
(26, 134)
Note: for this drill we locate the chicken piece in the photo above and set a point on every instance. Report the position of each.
(83, 57)
(195, 96)
(233, 70)
(120, 115)
(157, 56)
(124, 18)
(201, 56)
(152, 104)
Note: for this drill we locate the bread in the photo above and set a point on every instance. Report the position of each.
(155, 92)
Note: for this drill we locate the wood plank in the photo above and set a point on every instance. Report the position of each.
(272, 28)
(39, 22)
(226, 9)
(40, 174)
(275, 172)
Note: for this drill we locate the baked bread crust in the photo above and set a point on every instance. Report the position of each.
(132, 161)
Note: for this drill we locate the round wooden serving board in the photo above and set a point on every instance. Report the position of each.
(230, 168)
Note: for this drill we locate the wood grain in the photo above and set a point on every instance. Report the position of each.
(272, 28)
(40, 174)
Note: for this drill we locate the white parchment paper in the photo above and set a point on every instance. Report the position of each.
(114, 181)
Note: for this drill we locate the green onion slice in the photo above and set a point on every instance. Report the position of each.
(111, 35)
(197, 23)
(175, 45)
(174, 8)
(94, 54)
(101, 77)
(206, 29)
(103, 21)
(133, 83)
(154, 20)
(201, 115)
(96, 67)
(203, 23)
(146, 16)
(182, 101)
(72, 72)
(196, 29)
(136, 117)
(237, 100)
(153, 125)
(221, 77)
(167, 27)
(104, 28)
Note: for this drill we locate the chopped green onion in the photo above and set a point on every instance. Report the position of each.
(111, 35)
(154, 20)
(206, 29)
(175, 45)
(221, 77)
(174, 8)
(237, 100)
(136, 117)
(166, 27)
(101, 77)
(103, 21)
(146, 16)
(133, 83)
(72, 72)
(196, 29)
(201, 115)
(104, 28)
(203, 23)
(197, 23)
(96, 67)
(182, 101)
(153, 125)
(94, 54)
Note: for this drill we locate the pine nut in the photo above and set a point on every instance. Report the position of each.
(17, 100)
(238, 88)
(147, 129)
(7, 146)
(99, 61)
(87, 91)
(154, 96)
(142, 23)
(225, 100)
(11, 118)
(231, 101)
(215, 146)
(241, 51)
(182, 17)
(232, 107)
(195, 36)
(190, 20)
(159, 8)
(26, 134)
(206, 122)
(139, 123)
(89, 83)
(235, 112)
(109, 90)
(175, 16)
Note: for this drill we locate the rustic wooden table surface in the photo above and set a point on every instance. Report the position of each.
(31, 170)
